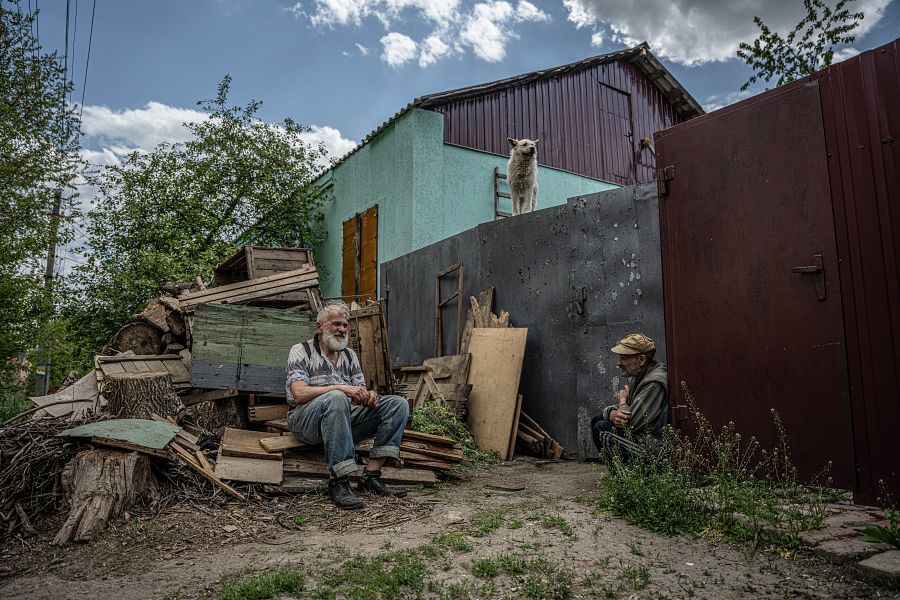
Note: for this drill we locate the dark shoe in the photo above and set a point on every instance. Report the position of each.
(371, 482)
(340, 493)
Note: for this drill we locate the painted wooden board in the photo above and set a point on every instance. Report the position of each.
(254, 470)
(245, 444)
(141, 432)
(315, 469)
(494, 374)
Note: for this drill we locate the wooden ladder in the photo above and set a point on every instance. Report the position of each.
(499, 214)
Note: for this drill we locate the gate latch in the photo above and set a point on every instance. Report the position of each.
(663, 177)
(818, 271)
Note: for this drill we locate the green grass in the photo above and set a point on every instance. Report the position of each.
(262, 586)
(486, 521)
(557, 522)
(388, 575)
(452, 540)
(12, 404)
(485, 567)
(544, 580)
(716, 483)
(637, 577)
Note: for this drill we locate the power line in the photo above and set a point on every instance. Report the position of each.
(74, 39)
(88, 61)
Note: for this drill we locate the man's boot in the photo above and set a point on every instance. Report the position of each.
(371, 481)
(340, 493)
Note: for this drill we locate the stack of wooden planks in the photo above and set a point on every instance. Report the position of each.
(423, 451)
(535, 440)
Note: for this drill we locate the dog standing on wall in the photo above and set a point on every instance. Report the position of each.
(521, 173)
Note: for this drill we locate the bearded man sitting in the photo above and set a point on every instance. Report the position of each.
(331, 405)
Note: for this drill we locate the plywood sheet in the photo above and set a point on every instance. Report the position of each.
(245, 444)
(83, 394)
(494, 375)
(254, 470)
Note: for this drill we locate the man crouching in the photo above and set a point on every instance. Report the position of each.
(331, 406)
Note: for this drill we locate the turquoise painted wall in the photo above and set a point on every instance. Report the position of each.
(426, 190)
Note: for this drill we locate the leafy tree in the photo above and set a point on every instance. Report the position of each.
(806, 49)
(172, 214)
(38, 160)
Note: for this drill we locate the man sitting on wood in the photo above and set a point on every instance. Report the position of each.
(641, 411)
(326, 387)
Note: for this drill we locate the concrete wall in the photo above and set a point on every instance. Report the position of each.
(426, 190)
(580, 276)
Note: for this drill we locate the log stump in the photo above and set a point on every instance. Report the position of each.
(140, 395)
(100, 485)
(141, 338)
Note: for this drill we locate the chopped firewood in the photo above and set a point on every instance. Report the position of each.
(23, 517)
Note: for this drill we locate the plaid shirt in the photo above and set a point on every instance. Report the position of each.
(316, 370)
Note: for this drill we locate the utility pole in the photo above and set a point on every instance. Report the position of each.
(49, 275)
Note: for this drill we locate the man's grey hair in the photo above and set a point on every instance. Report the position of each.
(331, 311)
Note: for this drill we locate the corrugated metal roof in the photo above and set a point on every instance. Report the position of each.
(639, 55)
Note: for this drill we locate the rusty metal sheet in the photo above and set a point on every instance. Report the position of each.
(580, 122)
(861, 117)
(748, 202)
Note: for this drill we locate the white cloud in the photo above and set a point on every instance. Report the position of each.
(693, 32)
(597, 39)
(335, 143)
(484, 30)
(340, 12)
(526, 11)
(717, 101)
(844, 54)
(398, 49)
(362, 49)
(141, 128)
(484, 26)
(433, 48)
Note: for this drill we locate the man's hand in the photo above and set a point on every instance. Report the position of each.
(619, 418)
(371, 399)
(622, 395)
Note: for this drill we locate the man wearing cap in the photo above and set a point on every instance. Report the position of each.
(641, 411)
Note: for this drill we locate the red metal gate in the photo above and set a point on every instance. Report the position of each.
(750, 275)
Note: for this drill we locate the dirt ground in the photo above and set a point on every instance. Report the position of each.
(540, 509)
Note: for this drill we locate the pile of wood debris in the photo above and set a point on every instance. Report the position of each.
(190, 395)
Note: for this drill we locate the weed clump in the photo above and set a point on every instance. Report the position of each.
(260, 587)
(438, 419)
(717, 484)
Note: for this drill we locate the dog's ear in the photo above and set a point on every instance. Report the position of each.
(512, 142)
(536, 141)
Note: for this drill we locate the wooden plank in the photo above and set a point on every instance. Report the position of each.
(428, 437)
(280, 424)
(304, 273)
(245, 444)
(209, 396)
(115, 359)
(494, 374)
(268, 412)
(268, 290)
(317, 470)
(279, 443)
(123, 445)
(511, 448)
(190, 461)
(484, 301)
(252, 470)
(454, 367)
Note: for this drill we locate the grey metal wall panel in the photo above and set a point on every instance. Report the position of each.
(538, 263)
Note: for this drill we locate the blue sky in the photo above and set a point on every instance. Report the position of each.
(344, 66)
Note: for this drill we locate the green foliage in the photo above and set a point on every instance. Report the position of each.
(888, 533)
(486, 521)
(438, 419)
(263, 586)
(557, 522)
(39, 149)
(547, 581)
(172, 214)
(387, 575)
(716, 483)
(485, 567)
(805, 49)
(452, 540)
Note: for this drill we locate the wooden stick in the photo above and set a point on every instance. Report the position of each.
(192, 463)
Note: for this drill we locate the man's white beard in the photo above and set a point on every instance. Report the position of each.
(333, 342)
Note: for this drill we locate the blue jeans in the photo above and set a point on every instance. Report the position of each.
(611, 440)
(333, 420)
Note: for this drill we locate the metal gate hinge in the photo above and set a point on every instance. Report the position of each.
(663, 177)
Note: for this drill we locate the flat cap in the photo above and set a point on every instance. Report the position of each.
(635, 343)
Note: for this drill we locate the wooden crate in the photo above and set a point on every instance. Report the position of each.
(245, 348)
(253, 262)
(368, 338)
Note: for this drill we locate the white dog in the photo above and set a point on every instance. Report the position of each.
(521, 173)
